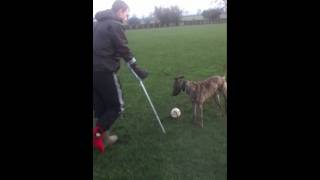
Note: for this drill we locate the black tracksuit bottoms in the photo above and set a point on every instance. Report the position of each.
(107, 98)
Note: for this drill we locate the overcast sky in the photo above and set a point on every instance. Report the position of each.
(145, 7)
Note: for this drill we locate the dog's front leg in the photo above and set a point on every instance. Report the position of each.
(194, 108)
(201, 115)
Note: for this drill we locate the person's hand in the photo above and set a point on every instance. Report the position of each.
(141, 73)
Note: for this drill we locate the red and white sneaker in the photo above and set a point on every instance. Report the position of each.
(98, 139)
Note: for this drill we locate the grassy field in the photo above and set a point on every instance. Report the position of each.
(186, 152)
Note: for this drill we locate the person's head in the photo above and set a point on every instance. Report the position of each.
(121, 9)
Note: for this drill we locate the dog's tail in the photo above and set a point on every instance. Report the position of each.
(225, 72)
(225, 81)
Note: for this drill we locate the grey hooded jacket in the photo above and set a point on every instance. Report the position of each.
(109, 42)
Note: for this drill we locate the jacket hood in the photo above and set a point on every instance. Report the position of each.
(106, 15)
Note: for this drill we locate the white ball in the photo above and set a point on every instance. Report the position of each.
(175, 113)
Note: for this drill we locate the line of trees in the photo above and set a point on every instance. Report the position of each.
(172, 15)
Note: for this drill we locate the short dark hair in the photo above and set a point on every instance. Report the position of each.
(119, 4)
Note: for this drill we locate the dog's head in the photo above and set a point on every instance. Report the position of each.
(178, 85)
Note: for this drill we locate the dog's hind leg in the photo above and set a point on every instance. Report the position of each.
(218, 97)
(225, 103)
(217, 100)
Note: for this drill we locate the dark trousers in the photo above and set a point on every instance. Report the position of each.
(107, 98)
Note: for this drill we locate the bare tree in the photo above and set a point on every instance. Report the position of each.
(220, 3)
(168, 15)
(199, 12)
(212, 14)
(134, 21)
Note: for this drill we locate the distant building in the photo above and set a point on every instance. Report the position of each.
(149, 20)
(223, 15)
(184, 20)
(192, 18)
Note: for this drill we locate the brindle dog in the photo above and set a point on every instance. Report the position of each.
(201, 91)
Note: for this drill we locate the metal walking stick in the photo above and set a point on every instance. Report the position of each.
(146, 93)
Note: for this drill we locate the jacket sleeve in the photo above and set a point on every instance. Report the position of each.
(121, 43)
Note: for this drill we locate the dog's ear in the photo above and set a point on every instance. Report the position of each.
(179, 77)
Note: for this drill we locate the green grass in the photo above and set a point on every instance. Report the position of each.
(185, 152)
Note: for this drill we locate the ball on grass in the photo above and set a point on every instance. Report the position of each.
(175, 113)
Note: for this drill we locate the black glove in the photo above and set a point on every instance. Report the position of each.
(141, 73)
